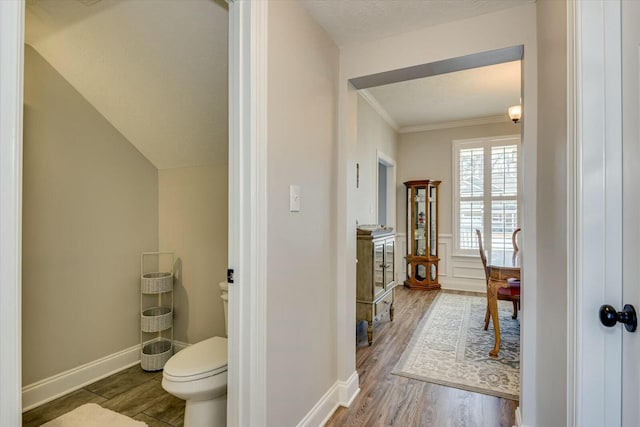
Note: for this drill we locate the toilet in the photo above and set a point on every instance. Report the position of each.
(198, 374)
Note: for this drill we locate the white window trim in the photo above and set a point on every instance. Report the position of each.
(485, 142)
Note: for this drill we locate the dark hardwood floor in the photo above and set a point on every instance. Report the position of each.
(132, 392)
(391, 400)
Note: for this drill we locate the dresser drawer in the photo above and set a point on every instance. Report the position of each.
(383, 305)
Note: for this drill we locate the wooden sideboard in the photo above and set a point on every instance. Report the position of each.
(375, 276)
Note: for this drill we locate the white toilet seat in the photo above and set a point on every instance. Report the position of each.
(204, 359)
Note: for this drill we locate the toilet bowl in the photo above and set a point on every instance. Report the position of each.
(198, 374)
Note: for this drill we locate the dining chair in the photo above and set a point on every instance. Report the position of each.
(513, 282)
(514, 241)
(506, 294)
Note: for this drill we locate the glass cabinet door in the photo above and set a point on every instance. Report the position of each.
(389, 254)
(420, 215)
(378, 269)
(432, 221)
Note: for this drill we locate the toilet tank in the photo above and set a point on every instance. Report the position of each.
(224, 295)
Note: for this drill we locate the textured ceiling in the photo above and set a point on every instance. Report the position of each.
(354, 21)
(156, 70)
(470, 94)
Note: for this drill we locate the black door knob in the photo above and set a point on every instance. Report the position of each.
(609, 317)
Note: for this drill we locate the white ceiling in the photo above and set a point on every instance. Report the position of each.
(480, 95)
(156, 70)
(477, 95)
(354, 21)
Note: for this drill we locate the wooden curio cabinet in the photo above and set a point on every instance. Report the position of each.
(422, 234)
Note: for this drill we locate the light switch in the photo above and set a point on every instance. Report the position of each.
(294, 198)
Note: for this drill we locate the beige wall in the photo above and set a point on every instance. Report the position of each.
(193, 224)
(301, 291)
(90, 207)
(373, 134)
(428, 155)
(551, 214)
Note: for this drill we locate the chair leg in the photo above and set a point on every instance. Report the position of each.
(487, 317)
(515, 310)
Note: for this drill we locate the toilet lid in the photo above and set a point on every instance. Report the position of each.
(201, 360)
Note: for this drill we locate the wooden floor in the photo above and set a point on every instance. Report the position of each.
(132, 392)
(391, 400)
(384, 399)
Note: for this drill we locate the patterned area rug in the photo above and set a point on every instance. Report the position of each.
(92, 415)
(450, 348)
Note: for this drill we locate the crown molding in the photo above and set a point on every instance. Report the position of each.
(456, 124)
(378, 108)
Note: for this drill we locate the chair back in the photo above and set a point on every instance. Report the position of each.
(514, 241)
(483, 256)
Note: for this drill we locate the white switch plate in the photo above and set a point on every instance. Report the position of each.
(294, 198)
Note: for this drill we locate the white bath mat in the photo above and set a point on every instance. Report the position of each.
(92, 415)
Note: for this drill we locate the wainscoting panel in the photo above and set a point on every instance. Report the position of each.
(461, 273)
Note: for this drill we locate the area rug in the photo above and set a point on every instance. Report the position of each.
(92, 415)
(449, 347)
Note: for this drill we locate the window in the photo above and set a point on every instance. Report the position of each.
(485, 193)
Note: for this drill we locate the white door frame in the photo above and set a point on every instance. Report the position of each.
(247, 211)
(11, 107)
(246, 404)
(594, 219)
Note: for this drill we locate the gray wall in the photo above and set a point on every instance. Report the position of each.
(551, 214)
(90, 207)
(301, 290)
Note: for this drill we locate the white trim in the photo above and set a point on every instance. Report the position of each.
(48, 389)
(455, 124)
(51, 388)
(11, 107)
(246, 391)
(572, 203)
(339, 394)
(486, 144)
(348, 390)
(518, 418)
(378, 108)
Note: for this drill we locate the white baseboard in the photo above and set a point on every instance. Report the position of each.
(341, 393)
(348, 390)
(518, 418)
(51, 388)
(467, 285)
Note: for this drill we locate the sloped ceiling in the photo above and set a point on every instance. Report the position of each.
(156, 70)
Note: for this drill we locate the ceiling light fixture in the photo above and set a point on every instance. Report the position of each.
(515, 113)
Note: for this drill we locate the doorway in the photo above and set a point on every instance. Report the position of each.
(461, 63)
(386, 190)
